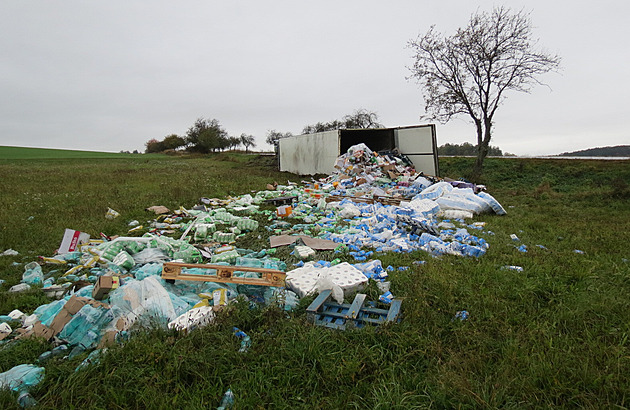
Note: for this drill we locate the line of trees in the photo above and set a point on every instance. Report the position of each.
(360, 118)
(205, 135)
(468, 149)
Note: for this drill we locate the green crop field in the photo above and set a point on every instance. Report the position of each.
(20, 153)
(553, 335)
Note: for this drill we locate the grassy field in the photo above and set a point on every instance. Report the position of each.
(19, 153)
(555, 334)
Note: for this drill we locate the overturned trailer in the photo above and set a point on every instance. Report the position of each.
(311, 154)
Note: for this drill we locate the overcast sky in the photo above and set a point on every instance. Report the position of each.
(108, 76)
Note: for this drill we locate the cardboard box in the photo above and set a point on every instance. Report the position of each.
(38, 330)
(109, 338)
(72, 306)
(104, 285)
(284, 210)
(71, 240)
(21, 332)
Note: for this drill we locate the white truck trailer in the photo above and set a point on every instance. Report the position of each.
(311, 154)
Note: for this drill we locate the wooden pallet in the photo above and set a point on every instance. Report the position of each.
(285, 200)
(172, 271)
(385, 200)
(323, 312)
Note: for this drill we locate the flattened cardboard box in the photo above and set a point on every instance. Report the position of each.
(72, 306)
(38, 330)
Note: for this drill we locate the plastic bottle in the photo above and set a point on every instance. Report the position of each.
(461, 315)
(228, 400)
(25, 400)
(20, 287)
(33, 274)
(201, 232)
(44, 357)
(59, 350)
(112, 250)
(124, 260)
(245, 340)
(93, 358)
(21, 377)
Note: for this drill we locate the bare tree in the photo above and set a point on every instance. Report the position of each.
(470, 71)
(360, 118)
(273, 136)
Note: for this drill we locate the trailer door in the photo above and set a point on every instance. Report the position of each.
(309, 154)
(419, 143)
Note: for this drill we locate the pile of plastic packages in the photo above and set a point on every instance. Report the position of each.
(419, 213)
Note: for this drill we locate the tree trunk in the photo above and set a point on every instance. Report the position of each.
(482, 149)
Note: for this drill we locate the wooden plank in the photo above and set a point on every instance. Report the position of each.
(394, 309)
(331, 325)
(319, 301)
(224, 274)
(374, 311)
(336, 315)
(330, 305)
(339, 198)
(231, 268)
(386, 200)
(371, 320)
(357, 305)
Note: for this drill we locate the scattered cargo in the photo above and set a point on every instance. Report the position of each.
(186, 266)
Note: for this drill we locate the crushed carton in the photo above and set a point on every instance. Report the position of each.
(38, 330)
(284, 211)
(104, 285)
(158, 209)
(71, 241)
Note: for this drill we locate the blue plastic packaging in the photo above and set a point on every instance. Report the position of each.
(245, 340)
(227, 401)
(33, 274)
(461, 315)
(21, 377)
(46, 313)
